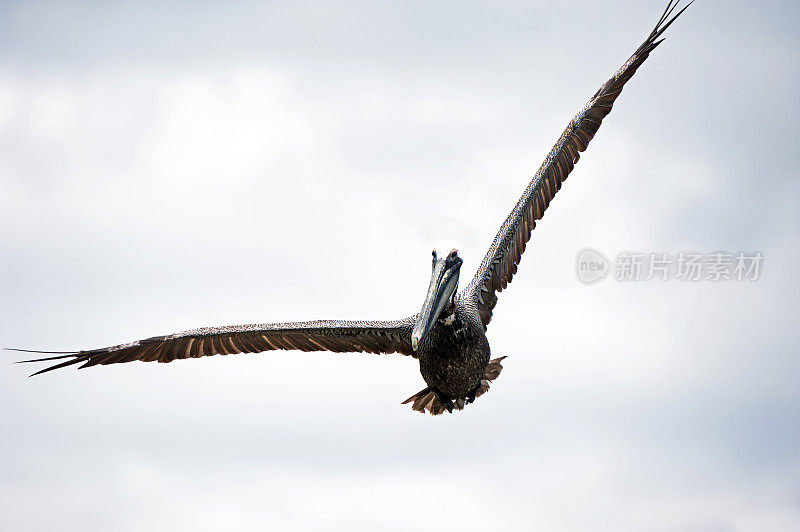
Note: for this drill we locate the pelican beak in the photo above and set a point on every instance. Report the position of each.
(444, 281)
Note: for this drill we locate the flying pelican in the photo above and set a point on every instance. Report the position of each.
(448, 335)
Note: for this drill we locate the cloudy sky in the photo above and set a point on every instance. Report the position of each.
(166, 165)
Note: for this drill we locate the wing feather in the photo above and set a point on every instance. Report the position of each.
(336, 336)
(500, 263)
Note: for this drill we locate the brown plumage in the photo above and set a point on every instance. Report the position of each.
(500, 263)
(448, 335)
(427, 401)
(336, 336)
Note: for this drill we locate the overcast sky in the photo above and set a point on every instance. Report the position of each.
(166, 166)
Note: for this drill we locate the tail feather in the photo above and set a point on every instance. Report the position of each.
(425, 400)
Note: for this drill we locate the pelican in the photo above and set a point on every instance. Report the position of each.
(448, 335)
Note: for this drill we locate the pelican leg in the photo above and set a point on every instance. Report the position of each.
(473, 394)
(444, 400)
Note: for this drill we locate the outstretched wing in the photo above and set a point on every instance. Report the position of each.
(337, 336)
(500, 263)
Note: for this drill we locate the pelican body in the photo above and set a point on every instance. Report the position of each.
(448, 335)
(454, 356)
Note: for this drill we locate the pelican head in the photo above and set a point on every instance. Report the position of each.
(442, 289)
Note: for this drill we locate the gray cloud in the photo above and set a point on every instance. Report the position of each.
(168, 166)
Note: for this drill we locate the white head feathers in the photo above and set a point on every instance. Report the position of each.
(444, 247)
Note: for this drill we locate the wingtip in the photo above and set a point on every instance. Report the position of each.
(74, 360)
(73, 357)
(37, 373)
(38, 351)
(43, 359)
(667, 19)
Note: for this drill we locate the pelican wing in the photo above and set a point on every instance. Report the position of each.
(500, 263)
(337, 336)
